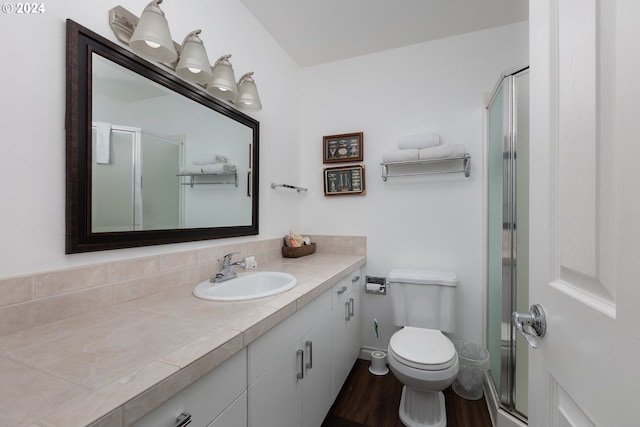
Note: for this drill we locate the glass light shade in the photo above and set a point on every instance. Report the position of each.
(223, 82)
(194, 63)
(248, 98)
(151, 38)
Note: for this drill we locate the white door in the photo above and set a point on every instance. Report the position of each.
(585, 212)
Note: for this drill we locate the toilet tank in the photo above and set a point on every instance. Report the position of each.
(423, 298)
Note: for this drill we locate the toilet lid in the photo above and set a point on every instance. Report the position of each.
(420, 348)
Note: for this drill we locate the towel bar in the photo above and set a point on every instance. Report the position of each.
(293, 187)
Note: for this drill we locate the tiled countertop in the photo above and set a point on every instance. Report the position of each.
(110, 367)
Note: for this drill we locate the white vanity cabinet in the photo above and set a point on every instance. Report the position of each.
(289, 370)
(218, 399)
(288, 377)
(346, 328)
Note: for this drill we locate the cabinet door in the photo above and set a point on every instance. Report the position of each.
(340, 348)
(354, 325)
(266, 350)
(275, 399)
(316, 385)
(290, 381)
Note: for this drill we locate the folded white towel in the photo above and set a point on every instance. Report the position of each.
(444, 151)
(218, 168)
(190, 170)
(400, 155)
(103, 143)
(419, 140)
(211, 159)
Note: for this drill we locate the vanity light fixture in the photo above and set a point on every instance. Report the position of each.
(248, 97)
(194, 62)
(151, 37)
(223, 83)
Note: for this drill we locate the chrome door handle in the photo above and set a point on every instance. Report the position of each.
(300, 353)
(347, 313)
(535, 319)
(309, 346)
(351, 307)
(342, 290)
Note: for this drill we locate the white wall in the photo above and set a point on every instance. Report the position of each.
(32, 92)
(427, 222)
(423, 222)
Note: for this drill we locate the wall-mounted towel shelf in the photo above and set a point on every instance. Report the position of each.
(465, 160)
(192, 178)
(293, 187)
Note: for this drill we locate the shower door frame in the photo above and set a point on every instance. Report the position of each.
(508, 335)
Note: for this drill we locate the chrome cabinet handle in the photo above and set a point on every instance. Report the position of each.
(351, 307)
(300, 353)
(184, 419)
(342, 290)
(347, 316)
(355, 279)
(309, 346)
(535, 319)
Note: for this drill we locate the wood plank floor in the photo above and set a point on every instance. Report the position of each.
(368, 400)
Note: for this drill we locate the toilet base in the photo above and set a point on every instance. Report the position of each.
(420, 408)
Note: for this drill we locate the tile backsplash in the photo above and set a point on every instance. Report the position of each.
(42, 297)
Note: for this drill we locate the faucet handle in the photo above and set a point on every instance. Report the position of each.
(226, 260)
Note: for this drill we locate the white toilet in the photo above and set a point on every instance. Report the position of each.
(420, 355)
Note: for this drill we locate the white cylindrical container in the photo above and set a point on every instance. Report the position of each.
(378, 364)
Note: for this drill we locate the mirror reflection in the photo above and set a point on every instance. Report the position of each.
(150, 158)
(161, 160)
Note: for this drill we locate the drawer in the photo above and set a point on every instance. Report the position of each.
(206, 398)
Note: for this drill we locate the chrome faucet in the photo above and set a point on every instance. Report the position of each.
(228, 269)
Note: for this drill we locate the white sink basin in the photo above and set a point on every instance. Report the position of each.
(246, 286)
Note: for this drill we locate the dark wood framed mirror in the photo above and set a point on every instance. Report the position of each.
(151, 159)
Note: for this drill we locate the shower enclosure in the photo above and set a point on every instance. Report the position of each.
(508, 238)
(131, 189)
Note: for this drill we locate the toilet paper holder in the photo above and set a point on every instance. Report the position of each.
(375, 285)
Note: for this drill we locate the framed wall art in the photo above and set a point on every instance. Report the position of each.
(342, 148)
(344, 180)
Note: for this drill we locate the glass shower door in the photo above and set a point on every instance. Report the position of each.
(113, 182)
(495, 231)
(507, 238)
(161, 189)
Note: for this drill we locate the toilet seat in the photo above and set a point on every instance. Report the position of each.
(424, 349)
